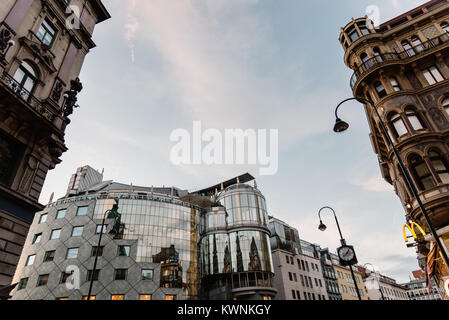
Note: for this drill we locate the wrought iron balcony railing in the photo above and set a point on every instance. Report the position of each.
(17, 89)
(397, 56)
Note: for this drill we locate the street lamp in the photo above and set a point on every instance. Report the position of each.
(341, 126)
(352, 258)
(377, 278)
(110, 213)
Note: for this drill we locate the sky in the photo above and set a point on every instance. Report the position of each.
(159, 65)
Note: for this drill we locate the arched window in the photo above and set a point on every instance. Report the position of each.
(414, 119)
(380, 89)
(445, 27)
(366, 60)
(445, 104)
(417, 44)
(408, 48)
(421, 173)
(378, 54)
(439, 165)
(395, 84)
(26, 78)
(398, 124)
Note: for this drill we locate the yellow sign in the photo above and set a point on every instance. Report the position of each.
(412, 230)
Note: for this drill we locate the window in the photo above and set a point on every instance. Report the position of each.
(82, 211)
(290, 276)
(77, 231)
(145, 297)
(118, 297)
(42, 280)
(380, 89)
(123, 251)
(445, 27)
(27, 79)
(22, 284)
(364, 30)
(445, 105)
(170, 297)
(366, 60)
(413, 118)
(95, 275)
(46, 33)
(294, 294)
(417, 44)
(49, 256)
(395, 84)
(97, 251)
(72, 253)
(432, 75)
(120, 274)
(147, 274)
(64, 277)
(55, 234)
(30, 260)
(61, 214)
(378, 54)
(91, 298)
(439, 165)
(422, 173)
(408, 48)
(398, 125)
(62, 299)
(294, 277)
(43, 218)
(100, 228)
(37, 238)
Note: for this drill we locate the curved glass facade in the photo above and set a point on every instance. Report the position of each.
(235, 241)
(244, 205)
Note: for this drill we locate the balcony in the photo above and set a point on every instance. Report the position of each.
(32, 102)
(388, 57)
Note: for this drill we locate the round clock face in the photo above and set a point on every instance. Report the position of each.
(346, 254)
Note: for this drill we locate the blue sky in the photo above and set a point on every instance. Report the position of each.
(160, 65)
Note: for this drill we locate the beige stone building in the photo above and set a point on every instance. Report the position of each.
(43, 44)
(403, 67)
(346, 283)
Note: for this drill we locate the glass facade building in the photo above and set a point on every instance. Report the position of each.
(165, 243)
(235, 249)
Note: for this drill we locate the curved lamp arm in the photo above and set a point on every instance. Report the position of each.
(336, 220)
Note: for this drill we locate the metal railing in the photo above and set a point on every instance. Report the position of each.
(16, 88)
(397, 56)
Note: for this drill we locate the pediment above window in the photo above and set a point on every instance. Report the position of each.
(40, 51)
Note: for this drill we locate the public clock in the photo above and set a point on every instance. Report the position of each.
(347, 255)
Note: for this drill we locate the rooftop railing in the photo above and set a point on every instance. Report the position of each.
(409, 53)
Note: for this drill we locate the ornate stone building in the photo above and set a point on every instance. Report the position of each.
(403, 67)
(43, 44)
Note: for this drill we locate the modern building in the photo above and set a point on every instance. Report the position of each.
(418, 288)
(40, 61)
(403, 67)
(165, 244)
(346, 283)
(381, 287)
(297, 267)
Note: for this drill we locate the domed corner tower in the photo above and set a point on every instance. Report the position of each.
(235, 254)
(402, 66)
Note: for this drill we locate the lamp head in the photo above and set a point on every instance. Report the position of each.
(11, 43)
(322, 226)
(340, 126)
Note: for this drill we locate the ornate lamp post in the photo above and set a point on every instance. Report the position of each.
(341, 126)
(346, 253)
